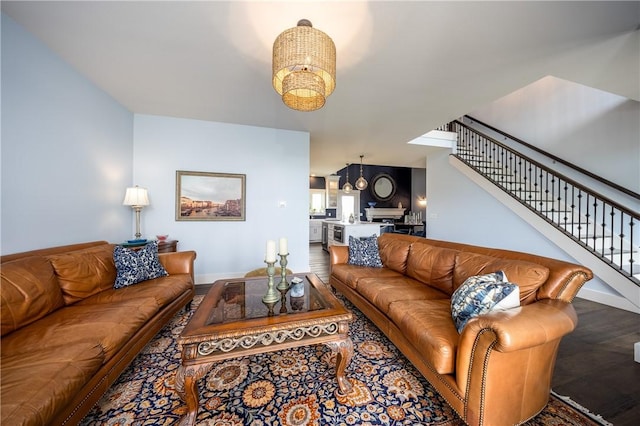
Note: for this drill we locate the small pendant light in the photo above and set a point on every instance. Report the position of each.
(361, 183)
(347, 187)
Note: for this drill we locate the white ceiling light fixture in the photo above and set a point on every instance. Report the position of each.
(347, 187)
(304, 67)
(361, 183)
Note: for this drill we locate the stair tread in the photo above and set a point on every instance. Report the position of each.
(626, 255)
(615, 251)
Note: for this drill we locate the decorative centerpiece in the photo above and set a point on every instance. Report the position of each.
(372, 204)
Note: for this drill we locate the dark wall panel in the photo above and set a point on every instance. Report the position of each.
(401, 175)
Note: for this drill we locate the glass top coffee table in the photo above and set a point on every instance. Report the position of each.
(232, 321)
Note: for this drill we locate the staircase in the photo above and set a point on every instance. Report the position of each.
(605, 235)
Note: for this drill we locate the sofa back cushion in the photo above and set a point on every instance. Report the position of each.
(393, 252)
(527, 275)
(30, 291)
(85, 272)
(432, 265)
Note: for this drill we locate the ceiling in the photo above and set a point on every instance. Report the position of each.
(403, 68)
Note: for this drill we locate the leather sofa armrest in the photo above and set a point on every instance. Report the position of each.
(508, 350)
(180, 262)
(512, 331)
(338, 254)
(521, 328)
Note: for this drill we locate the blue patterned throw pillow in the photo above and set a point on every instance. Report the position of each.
(364, 251)
(481, 294)
(135, 266)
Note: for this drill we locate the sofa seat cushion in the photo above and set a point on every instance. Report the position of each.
(351, 274)
(527, 275)
(30, 291)
(382, 293)
(433, 265)
(38, 383)
(85, 272)
(429, 326)
(109, 325)
(164, 290)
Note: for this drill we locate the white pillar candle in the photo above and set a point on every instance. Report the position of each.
(283, 246)
(271, 251)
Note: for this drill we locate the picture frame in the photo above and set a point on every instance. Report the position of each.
(205, 196)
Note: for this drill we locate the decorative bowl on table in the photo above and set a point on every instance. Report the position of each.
(162, 237)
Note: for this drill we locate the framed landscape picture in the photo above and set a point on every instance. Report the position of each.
(210, 196)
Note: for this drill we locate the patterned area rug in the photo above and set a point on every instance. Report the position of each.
(293, 387)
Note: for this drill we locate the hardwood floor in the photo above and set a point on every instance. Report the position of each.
(595, 365)
(319, 261)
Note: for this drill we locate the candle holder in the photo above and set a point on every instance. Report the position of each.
(283, 284)
(283, 299)
(272, 296)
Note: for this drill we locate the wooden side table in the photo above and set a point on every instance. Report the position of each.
(167, 246)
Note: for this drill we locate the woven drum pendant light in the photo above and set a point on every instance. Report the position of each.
(304, 67)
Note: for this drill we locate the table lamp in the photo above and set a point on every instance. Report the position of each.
(137, 198)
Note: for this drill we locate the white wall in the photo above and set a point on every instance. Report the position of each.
(466, 213)
(276, 165)
(595, 130)
(69, 151)
(66, 151)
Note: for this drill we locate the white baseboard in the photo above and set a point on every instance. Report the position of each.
(211, 278)
(608, 299)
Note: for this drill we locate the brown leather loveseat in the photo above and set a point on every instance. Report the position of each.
(67, 334)
(498, 370)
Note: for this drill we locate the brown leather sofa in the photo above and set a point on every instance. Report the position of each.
(498, 370)
(67, 334)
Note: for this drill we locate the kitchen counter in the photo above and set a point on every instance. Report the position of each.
(339, 222)
(338, 232)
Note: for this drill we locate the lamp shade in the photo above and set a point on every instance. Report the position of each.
(304, 67)
(136, 196)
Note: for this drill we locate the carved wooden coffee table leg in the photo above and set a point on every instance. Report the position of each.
(344, 349)
(187, 387)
